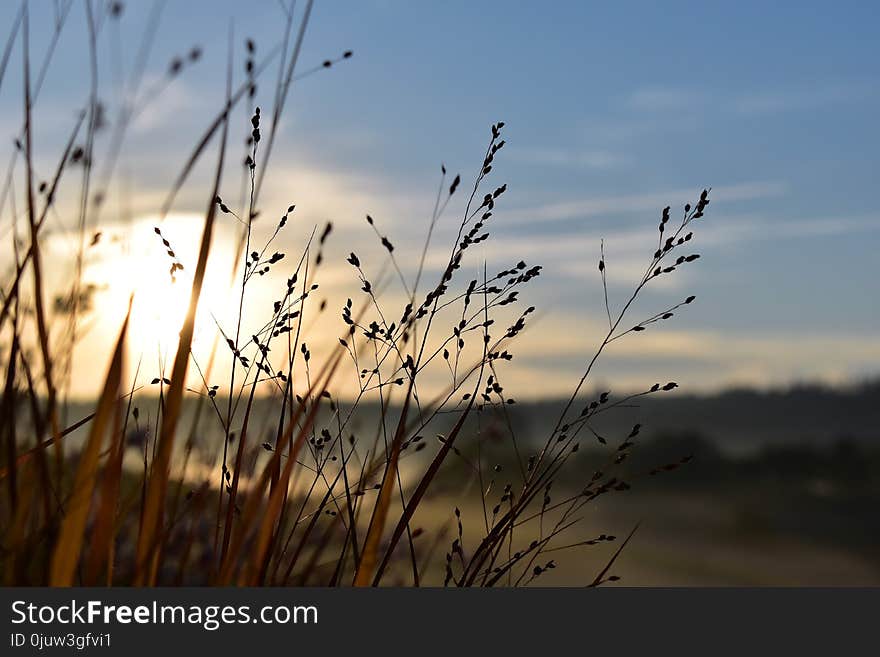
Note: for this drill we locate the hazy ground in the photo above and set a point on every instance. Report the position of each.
(736, 534)
(717, 540)
(783, 489)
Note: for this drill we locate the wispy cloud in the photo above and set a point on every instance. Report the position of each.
(569, 158)
(153, 112)
(784, 98)
(574, 253)
(608, 205)
(817, 96)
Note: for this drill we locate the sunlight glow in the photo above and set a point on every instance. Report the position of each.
(140, 266)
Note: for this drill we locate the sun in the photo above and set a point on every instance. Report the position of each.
(159, 308)
(160, 302)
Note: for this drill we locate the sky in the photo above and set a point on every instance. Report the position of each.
(612, 111)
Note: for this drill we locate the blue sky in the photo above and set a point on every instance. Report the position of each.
(613, 111)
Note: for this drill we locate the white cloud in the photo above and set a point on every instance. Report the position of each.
(587, 159)
(817, 96)
(783, 98)
(591, 207)
(160, 109)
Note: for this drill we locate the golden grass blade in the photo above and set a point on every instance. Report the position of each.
(277, 494)
(369, 556)
(222, 119)
(71, 536)
(103, 534)
(422, 488)
(156, 488)
(233, 488)
(367, 564)
(273, 506)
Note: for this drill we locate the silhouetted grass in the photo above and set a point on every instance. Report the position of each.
(296, 492)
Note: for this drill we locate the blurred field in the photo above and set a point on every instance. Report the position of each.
(747, 527)
(792, 507)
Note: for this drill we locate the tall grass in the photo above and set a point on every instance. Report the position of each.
(299, 492)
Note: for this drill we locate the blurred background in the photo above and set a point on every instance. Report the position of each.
(613, 111)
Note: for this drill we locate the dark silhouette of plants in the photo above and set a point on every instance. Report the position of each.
(300, 493)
